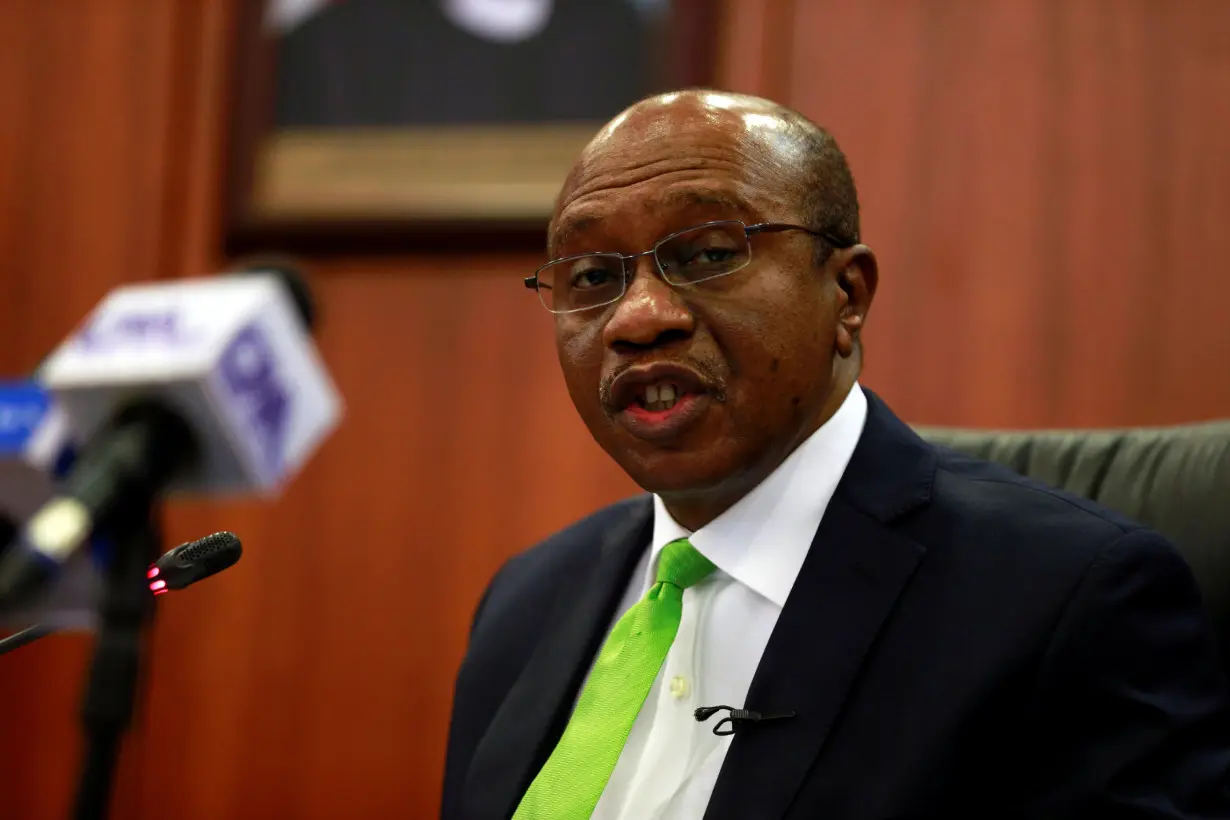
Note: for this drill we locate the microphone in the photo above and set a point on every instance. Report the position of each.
(196, 386)
(739, 719)
(194, 561)
(176, 569)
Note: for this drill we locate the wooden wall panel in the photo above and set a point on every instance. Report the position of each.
(1044, 182)
(86, 109)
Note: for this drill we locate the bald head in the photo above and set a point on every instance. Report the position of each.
(798, 160)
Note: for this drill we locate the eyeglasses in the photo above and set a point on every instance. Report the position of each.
(685, 258)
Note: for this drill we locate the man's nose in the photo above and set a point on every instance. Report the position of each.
(650, 312)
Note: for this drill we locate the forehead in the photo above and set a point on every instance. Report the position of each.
(652, 214)
(638, 189)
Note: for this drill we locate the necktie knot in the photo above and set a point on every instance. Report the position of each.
(681, 565)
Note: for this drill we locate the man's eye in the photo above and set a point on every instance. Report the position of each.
(708, 256)
(590, 278)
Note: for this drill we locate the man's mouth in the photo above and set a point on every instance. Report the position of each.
(656, 387)
(658, 402)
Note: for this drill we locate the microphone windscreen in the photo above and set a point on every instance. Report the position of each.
(195, 561)
(220, 549)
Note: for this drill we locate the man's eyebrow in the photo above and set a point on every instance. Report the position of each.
(718, 199)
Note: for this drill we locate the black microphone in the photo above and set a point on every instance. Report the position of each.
(738, 719)
(194, 561)
(176, 569)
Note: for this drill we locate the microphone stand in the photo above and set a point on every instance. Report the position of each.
(26, 636)
(111, 691)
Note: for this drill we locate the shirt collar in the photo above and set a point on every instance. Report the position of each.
(762, 540)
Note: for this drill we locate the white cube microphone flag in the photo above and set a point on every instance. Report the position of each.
(230, 354)
(195, 386)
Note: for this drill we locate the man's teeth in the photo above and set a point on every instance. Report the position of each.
(659, 397)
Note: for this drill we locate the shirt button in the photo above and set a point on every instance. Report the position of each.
(679, 686)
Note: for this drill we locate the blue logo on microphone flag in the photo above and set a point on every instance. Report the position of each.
(22, 408)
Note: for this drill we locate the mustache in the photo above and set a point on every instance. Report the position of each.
(710, 375)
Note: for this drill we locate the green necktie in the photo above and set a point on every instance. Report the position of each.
(572, 780)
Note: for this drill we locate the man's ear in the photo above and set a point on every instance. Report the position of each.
(858, 274)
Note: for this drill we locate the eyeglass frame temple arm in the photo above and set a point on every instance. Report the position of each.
(778, 227)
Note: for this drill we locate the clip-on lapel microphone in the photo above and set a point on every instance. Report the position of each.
(738, 718)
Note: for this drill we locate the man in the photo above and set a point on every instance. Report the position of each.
(921, 634)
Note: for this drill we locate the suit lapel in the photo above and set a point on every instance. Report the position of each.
(853, 574)
(529, 723)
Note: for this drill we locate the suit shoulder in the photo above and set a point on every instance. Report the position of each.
(534, 574)
(580, 539)
(1002, 542)
(999, 502)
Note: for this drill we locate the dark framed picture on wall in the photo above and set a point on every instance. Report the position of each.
(408, 124)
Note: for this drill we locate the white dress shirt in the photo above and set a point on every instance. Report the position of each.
(670, 762)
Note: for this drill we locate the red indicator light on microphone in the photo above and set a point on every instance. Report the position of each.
(153, 572)
(158, 585)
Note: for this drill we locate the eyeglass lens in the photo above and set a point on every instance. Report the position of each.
(685, 258)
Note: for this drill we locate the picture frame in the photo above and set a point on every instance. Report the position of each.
(406, 188)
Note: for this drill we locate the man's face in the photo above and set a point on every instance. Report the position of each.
(748, 357)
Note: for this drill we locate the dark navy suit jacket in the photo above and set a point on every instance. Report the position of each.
(960, 642)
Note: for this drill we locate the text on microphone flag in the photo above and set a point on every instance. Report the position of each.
(158, 327)
(249, 371)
